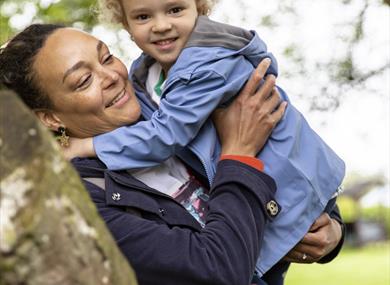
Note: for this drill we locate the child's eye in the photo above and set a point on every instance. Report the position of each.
(175, 10)
(142, 17)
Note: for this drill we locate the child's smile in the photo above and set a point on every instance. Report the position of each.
(161, 28)
(166, 44)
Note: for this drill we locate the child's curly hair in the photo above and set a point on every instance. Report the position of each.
(111, 11)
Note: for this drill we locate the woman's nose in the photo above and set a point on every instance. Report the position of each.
(161, 24)
(109, 78)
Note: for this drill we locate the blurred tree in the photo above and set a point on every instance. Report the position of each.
(344, 73)
(349, 208)
(380, 214)
(50, 230)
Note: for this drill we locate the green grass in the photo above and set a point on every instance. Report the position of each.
(363, 266)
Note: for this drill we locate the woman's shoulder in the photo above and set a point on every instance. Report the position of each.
(88, 167)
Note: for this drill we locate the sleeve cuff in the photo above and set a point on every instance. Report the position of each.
(248, 160)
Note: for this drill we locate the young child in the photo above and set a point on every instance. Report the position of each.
(190, 66)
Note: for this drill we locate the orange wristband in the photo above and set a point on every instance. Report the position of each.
(248, 160)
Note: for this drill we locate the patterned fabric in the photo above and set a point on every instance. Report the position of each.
(193, 196)
(172, 178)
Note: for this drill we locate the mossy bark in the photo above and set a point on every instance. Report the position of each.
(50, 231)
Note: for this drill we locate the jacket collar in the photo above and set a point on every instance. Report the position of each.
(94, 168)
(89, 167)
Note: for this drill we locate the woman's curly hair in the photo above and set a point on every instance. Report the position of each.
(111, 11)
(16, 64)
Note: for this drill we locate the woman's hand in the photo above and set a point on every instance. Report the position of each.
(323, 236)
(244, 126)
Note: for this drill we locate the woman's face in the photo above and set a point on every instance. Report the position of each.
(87, 86)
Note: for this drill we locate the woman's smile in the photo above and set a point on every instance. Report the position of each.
(119, 100)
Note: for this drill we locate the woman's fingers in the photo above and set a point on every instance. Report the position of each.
(255, 79)
(273, 99)
(305, 253)
(279, 112)
(302, 253)
(266, 89)
(298, 257)
(273, 108)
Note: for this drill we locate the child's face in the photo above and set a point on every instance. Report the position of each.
(161, 28)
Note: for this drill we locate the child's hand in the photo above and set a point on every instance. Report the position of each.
(79, 148)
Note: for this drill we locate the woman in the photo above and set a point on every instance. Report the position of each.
(85, 89)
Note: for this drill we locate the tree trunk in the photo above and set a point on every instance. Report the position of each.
(50, 231)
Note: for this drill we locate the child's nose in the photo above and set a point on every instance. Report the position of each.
(161, 24)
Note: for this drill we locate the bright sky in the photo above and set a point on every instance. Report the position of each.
(359, 130)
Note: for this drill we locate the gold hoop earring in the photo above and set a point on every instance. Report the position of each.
(63, 138)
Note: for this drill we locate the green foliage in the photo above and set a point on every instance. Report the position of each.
(68, 12)
(379, 214)
(345, 70)
(349, 208)
(5, 30)
(363, 266)
(267, 21)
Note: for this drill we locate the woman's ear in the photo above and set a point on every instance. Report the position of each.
(49, 119)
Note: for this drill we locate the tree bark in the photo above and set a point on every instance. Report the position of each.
(50, 231)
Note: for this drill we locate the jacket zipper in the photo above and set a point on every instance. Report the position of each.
(149, 112)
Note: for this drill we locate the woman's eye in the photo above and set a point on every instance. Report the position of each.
(175, 10)
(84, 82)
(108, 59)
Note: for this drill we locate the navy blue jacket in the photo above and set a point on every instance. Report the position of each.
(165, 244)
